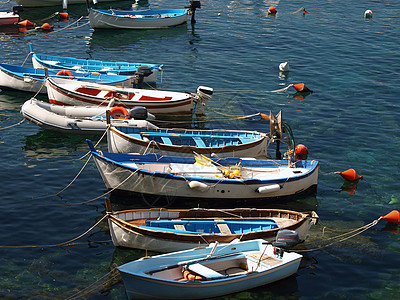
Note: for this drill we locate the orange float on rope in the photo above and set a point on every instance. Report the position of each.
(65, 73)
(46, 27)
(26, 23)
(63, 16)
(119, 112)
(301, 87)
(272, 10)
(301, 152)
(264, 116)
(350, 175)
(393, 217)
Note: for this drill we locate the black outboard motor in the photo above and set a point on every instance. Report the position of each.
(17, 9)
(138, 113)
(194, 4)
(142, 72)
(286, 238)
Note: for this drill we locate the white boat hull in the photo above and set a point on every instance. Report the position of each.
(66, 92)
(259, 267)
(73, 119)
(132, 236)
(278, 182)
(100, 20)
(118, 142)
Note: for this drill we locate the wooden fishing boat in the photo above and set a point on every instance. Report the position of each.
(33, 80)
(69, 92)
(202, 178)
(10, 18)
(40, 3)
(167, 230)
(79, 119)
(140, 19)
(41, 61)
(208, 272)
(183, 142)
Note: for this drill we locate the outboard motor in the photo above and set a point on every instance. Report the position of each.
(140, 113)
(287, 238)
(17, 9)
(203, 94)
(142, 72)
(194, 4)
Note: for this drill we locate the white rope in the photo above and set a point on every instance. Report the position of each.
(20, 122)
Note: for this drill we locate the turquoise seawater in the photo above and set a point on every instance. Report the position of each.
(351, 120)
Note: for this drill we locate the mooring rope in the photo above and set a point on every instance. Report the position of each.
(353, 233)
(59, 244)
(254, 91)
(86, 291)
(19, 123)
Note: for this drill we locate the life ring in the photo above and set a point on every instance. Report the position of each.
(65, 73)
(119, 112)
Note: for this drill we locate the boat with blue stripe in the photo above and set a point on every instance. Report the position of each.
(199, 177)
(166, 230)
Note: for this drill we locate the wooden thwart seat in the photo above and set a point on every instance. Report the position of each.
(179, 227)
(224, 229)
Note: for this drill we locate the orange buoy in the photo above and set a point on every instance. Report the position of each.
(272, 10)
(46, 27)
(63, 16)
(301, 88)
(26, 23)
(188, 275)
(301, 152)
(65, 73)
(304, 11)
(393, 217)
(264, 116)
(350, 175)
(119, 112)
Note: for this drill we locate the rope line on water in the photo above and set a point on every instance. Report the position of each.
(352, 233)
(19, 123)
(59, 244)
(86, 289)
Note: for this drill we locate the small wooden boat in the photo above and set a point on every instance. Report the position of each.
(167, 230)
(69, 92)
(33, 80)
(183, 142)
(10, 18)
(78, 119)
(41, 61)
(140, 19)
(208, 272)
(202, 178)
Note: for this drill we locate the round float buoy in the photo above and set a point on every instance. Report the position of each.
(393, 217)
(119, 112)
(65, 73)
(350, 175)
(46, 27)
(63, 16)
(368, 14)
(284, 67)
(304, 11)
(26, 23)
(271, 10)
(301, 88)
(301, 152)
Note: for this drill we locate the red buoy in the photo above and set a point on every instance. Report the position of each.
(301, 87)
(272, 10)
(393, 217)
(46, 27)
(26, 23)
(301, 152)
(350, 175)
(63, 16)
